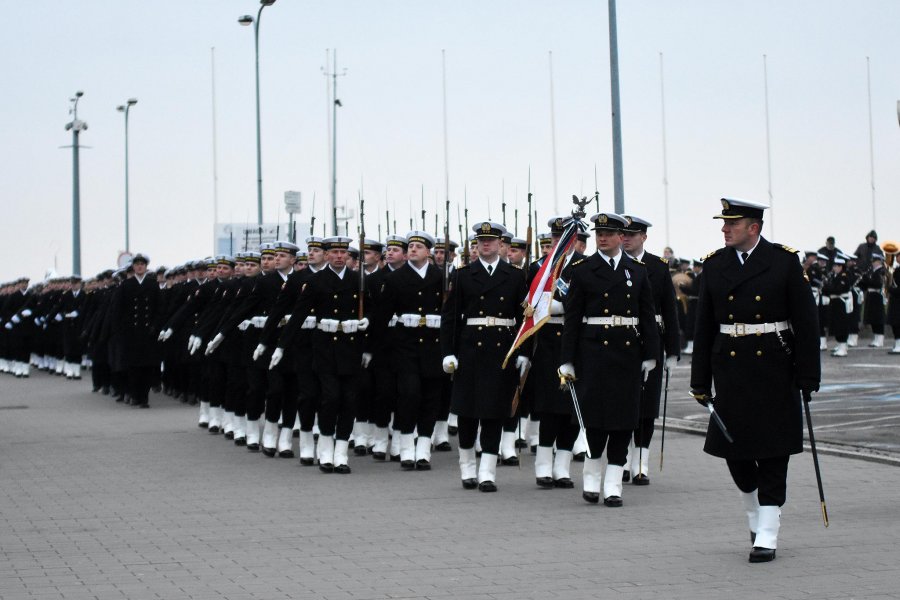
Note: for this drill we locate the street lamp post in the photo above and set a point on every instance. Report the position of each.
(124, 108)
(247, 20)
(76, 127)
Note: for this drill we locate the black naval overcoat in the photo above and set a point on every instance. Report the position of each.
(481, 389)
(893, 311)
(403, 291)
(608, 358)
(756, 377)
(546, 349)
(328, 296)
(138, 316)
(666, 306)
(297, 355)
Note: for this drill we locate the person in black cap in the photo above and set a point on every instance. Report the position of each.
(445, 424)
(756, 343)
(138, 314)
(866, 251)
(71, 307)
(872, 282)
(363, 438)
(838, 287)
(611, 340)
(478, 324)
(666, 308)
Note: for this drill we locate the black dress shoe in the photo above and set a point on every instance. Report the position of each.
(351, 444)
(253, 447)
(395, 458)
(512, 461)
(202, 425)
(326, 468)
(370, 449)
(105, 390)
(487, 486)
(592, 497)
(758, 555)
(521, 444)
(342, 469)
(359, 450)
(626, 476)
(307, 462)
(613, 501)
(379, 455)
(451, 430)
(564, 483)
(408, 465)
(296, 434)
(229, 435)
(286, 454)
(443, 447)
(95, 389)
(640, 479)
(423, 465)
(240, 441)
(470, 484)
(544, 482)
(270, 452)
(214, 429)
(534, 449)
(579, 457)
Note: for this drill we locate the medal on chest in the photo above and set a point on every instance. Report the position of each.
(628, 278)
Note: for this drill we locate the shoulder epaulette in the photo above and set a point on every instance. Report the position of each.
(713, 253)
(462, 267)
(577, 262)
(786, 248)
(514, 265)
(665, 261)
(640, 262)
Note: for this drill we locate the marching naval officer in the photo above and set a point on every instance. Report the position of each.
(757, 342)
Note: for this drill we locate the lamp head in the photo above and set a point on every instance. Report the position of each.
(132, 101)
(267, 2)
(245, 20)
(120, 108)
(79, 94)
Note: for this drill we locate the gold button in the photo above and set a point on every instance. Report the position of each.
(758, 298)
(420, 293)
(480, 328)
(606, 327)
(605, 311)
(759, 352)
(759, 316)
(558, 333)
(335, 311)
(421, 340)
(758, 333)
(335, 338)
(335, 296)
(420, 309)
(482, 297)
(730, 298)
(731, 317)
(605, 295)
(354, 295)
(628, 295)
(627, 343)
(732, 353)
(498, 344)
(499, 314)
(352, 337)
(480, 312)
(627, 312)
(605, 343)
(479, 343)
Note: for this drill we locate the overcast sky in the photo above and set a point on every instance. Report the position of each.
(390, 135)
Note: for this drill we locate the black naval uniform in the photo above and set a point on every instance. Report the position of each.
(757, 375)
(138, 315)
(873, 312)
(608, 357)
(893, 311)
(838, 289)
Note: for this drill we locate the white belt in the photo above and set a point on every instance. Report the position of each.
(258, 322)
(491, 322)
(659, 319)
(874, 290)
(844, 296)
(741, 329)
(615, 321)
(557, 320)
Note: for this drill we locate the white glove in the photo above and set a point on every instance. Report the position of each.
(363, 324)
(522, 364)
(567, 371)
(309, 323)
(433, 321)
(450, 363)
(349, 326)
(27, 313)
(58, 318)
(37, 321)
(15, 319)
(647, 366)
(194, 344)
(259, 351)
(277, 355)
(329, 325)
(393, 321)
(72, 315)
(556, 308)
(409, 320)
(8, 326)
(366, 359)
(243, 325)
(670, 362)
(214, 343)
(165, 334)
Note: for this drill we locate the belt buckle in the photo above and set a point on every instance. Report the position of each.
(740, 329)
(422, 321)
(617, 321)
(490, 321)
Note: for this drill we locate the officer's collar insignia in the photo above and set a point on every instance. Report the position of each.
(725, 204)
(603, 219)
(485, 228)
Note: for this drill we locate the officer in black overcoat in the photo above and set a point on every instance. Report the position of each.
(479, 322)
(611, 341)
(666, 306)
(138, 322)
(756, 343)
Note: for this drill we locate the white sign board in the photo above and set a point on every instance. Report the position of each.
(292, 202)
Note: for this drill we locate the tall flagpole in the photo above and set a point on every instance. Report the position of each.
(446, 158)
(553, 136)
(769, 150)
(212, 52)
(665, 180)
(871, 143)
(618, 184)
